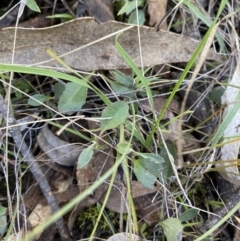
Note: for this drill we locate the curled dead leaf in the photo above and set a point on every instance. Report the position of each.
(58, 150)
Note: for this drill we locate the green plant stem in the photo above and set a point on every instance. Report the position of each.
(185, 72)
(104, 204)
(127, 175)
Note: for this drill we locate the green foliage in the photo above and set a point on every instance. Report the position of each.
(85, 156)
(37, 99)
(189, 215)
(58, 90)
(122, 84)
(216, 94)
(172, 228)
(199, 14)
(88, 218)
(24, 86)
(3, 220)
(33, 5)
(62, 16)
(168, 171)
(129, 6)
(73, 98)
(114, 115)
(123, 147)
(147, 168)
(137, 17)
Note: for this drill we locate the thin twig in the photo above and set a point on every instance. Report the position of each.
(34, 168)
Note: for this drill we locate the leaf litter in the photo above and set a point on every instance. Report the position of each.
(107, 58)
(86, 45)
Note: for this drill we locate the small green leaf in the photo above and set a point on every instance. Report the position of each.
(148, 168)
(123, 79)
(115, 114)
(133, 17)
(85, 156)
(33, 99)
(168, 171)
(216, 94)
(58, 89)
(188, 215)
(152, 163)
(3, 220)
(73, 98)
(121, 89)
(3, 210)
(129, 6)
(33, 5)
(172, 228)
(124, 148)
(122, 84)
(145, 177)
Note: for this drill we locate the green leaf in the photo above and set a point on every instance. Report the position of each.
(146, 178)
(73, 98)
(141, 17)
(3, 210)
(51, 73)
(122, 84)
(136, 70)
(188, 215)
(124, 148)
(115, 114)
(216, 94)
(3, 220)
(58, 89)
(33, 5)
(151, 162)
(148, 168)
(123, 79)
(129, 6)
(85, 156)
(168, 171)
(172, 228)
(121, 89)
(35, 99)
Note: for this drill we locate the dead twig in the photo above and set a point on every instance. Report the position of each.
(34, 168)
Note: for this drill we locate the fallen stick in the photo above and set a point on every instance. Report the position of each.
(34, 168)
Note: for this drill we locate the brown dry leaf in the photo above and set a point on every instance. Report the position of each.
(100, 163)
(159, 103)
(117, 200)
(58, 150)
(86, 45)
(86, 176)
(41, 213)
(101, 10)
(146, 206)
(157, 10)
(67, 195)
